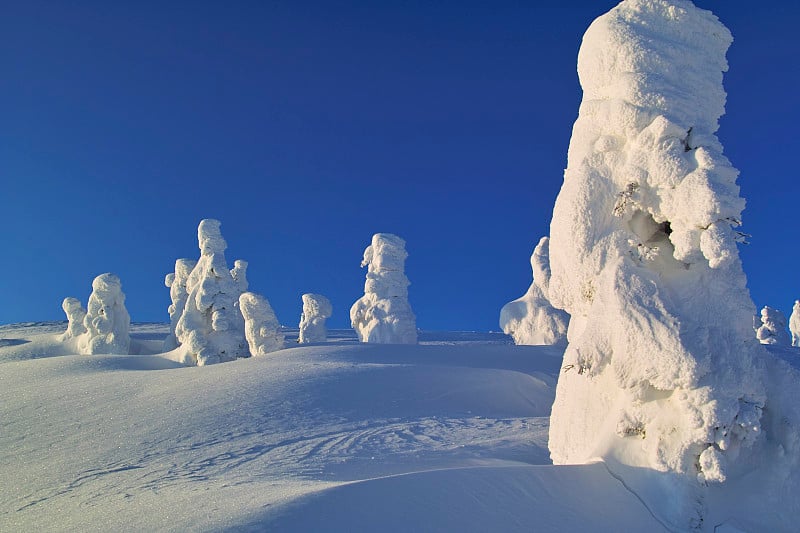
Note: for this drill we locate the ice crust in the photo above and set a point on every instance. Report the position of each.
(383, 315)
(531, 319)
(771, 327)
(661, 372)
(316, 310)
(794, 323)
(261, 327)
(107, 322)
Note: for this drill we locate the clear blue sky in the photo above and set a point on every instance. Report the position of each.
(305, 127)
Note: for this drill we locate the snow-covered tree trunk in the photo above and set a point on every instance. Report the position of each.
(531, 319)
(383, 315)
(660, 373)
(316, 310)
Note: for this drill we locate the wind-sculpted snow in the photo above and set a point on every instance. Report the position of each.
(532, 319)
(316, 310)
(383, 315)
(660, 372)
(107, 321)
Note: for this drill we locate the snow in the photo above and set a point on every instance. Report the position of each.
(771, 327)
(316, 309)
(211, 327)
(383, 315)
(106, 321)
(531, 319)
(794, 323)
(662, 378)
(176, 282)
(261, 326)
(75, 314)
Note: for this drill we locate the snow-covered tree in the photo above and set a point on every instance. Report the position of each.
(771, 328)
(107, 321)
(794, 323)
(176, 282)
(239, 275)
(531, 319)
(659, 378)
(316, 310)
(261, 326)
(75, 314)
(383, 315)
(211, 327)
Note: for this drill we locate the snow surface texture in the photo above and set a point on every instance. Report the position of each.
(316, 310)
(772, 327)
(75, 314)
(261, 326)
(532, 319)
(107, 321)
(176, 282)
(211, 327)
(794, 323)
(661, 377)
(383, 315)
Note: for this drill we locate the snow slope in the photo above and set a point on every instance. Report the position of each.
(450, 434)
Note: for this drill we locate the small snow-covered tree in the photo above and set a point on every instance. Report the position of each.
(316, 309)
(772, 327)
(261, 326)
(107, 321)
(531, 319)
(211, 327)
(75, 314)
(383, 315)
(239, 275)
(794, 323)
(176, 282)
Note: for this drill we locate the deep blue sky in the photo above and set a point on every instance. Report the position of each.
(305, 127)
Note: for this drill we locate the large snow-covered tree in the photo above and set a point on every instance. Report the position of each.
(660, 373)
(794, 323)
(107, 322)
(771, 327)
(383, 315)
(316, 310)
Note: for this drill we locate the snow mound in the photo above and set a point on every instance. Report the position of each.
(771, 327)
(531, 319)
(662, 373)
(261, 326)
(383, 315)
(107, 322)
(316, 310)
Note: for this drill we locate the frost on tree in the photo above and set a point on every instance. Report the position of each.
(107, 322)
(211, 327)
(660, 372)
(532, 319)
(383, 315)
(771, 327)
(176, 282)
(261, 326)
(316, 310)
(75, 314)
(239, 275)
(794, 323)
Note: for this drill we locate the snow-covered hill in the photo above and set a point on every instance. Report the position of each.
(449, 434)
